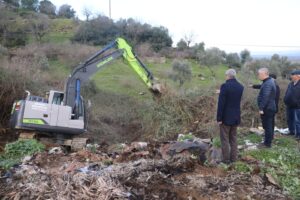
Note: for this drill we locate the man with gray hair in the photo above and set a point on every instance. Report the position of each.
(229, 115)
(267, 105)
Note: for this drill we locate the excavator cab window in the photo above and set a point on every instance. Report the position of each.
(58, 98)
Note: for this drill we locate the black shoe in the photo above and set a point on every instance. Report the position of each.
(263, 146)
(226, 162)
(291, 134)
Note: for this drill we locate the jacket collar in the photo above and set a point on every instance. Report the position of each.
(266, 79)
(230, 80)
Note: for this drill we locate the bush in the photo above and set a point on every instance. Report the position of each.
(14, 152)
(13, 30)
(101, 30)
(212, 56)
(41, 61)
(47, 7)
(66, 11)
(3, 51)
(98, 31)
(181, 72)
(30, 4)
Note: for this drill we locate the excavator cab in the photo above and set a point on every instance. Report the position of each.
(47, 115)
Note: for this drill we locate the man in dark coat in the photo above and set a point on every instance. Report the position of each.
(257, 86)
(229, 115)
(266, 104)
(292, 102)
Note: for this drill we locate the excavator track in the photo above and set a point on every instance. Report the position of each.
(27, 135)
(75, 144)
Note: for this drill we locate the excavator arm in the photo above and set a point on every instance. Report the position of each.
(82, 73)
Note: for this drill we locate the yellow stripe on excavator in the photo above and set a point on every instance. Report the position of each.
(132, 61)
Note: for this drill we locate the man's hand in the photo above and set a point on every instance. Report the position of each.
(219, 123)
(261, 112)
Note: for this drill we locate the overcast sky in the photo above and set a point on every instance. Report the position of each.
(231, 25)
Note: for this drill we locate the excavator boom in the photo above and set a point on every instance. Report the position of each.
(84, 71)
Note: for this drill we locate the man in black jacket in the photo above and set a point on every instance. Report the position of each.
(266, 104)
(257, 86)
(229, 115)
(292, 101)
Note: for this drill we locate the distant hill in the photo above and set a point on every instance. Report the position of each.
(293, 55)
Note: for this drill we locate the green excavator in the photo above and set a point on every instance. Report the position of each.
(63, 114)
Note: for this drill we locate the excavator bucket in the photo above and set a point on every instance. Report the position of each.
(157, 88)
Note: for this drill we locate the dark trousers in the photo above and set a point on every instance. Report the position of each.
(267, 120)
(297, 122)
(228, 136)
(290, 116)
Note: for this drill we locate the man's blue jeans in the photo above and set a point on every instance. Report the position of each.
(297, 122)
(290, 116)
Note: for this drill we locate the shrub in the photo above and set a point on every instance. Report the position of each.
(14, 152)
(181, 72)
(3, 51)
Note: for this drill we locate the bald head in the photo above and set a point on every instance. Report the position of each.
(263, 73)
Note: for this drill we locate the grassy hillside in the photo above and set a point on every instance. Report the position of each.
(61, 30)
(118, 77)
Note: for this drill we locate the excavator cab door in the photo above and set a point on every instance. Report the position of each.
(55, 99)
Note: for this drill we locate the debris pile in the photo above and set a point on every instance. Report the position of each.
(173, 170)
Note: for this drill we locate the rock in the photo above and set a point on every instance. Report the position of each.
(197, 149)
(271, 179)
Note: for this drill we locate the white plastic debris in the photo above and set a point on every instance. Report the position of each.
(55, 150)
(185, 137)
(284, 131)
(254, 147)
(248, 143)
(92, 146)
(26, 159)
(141, 145)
